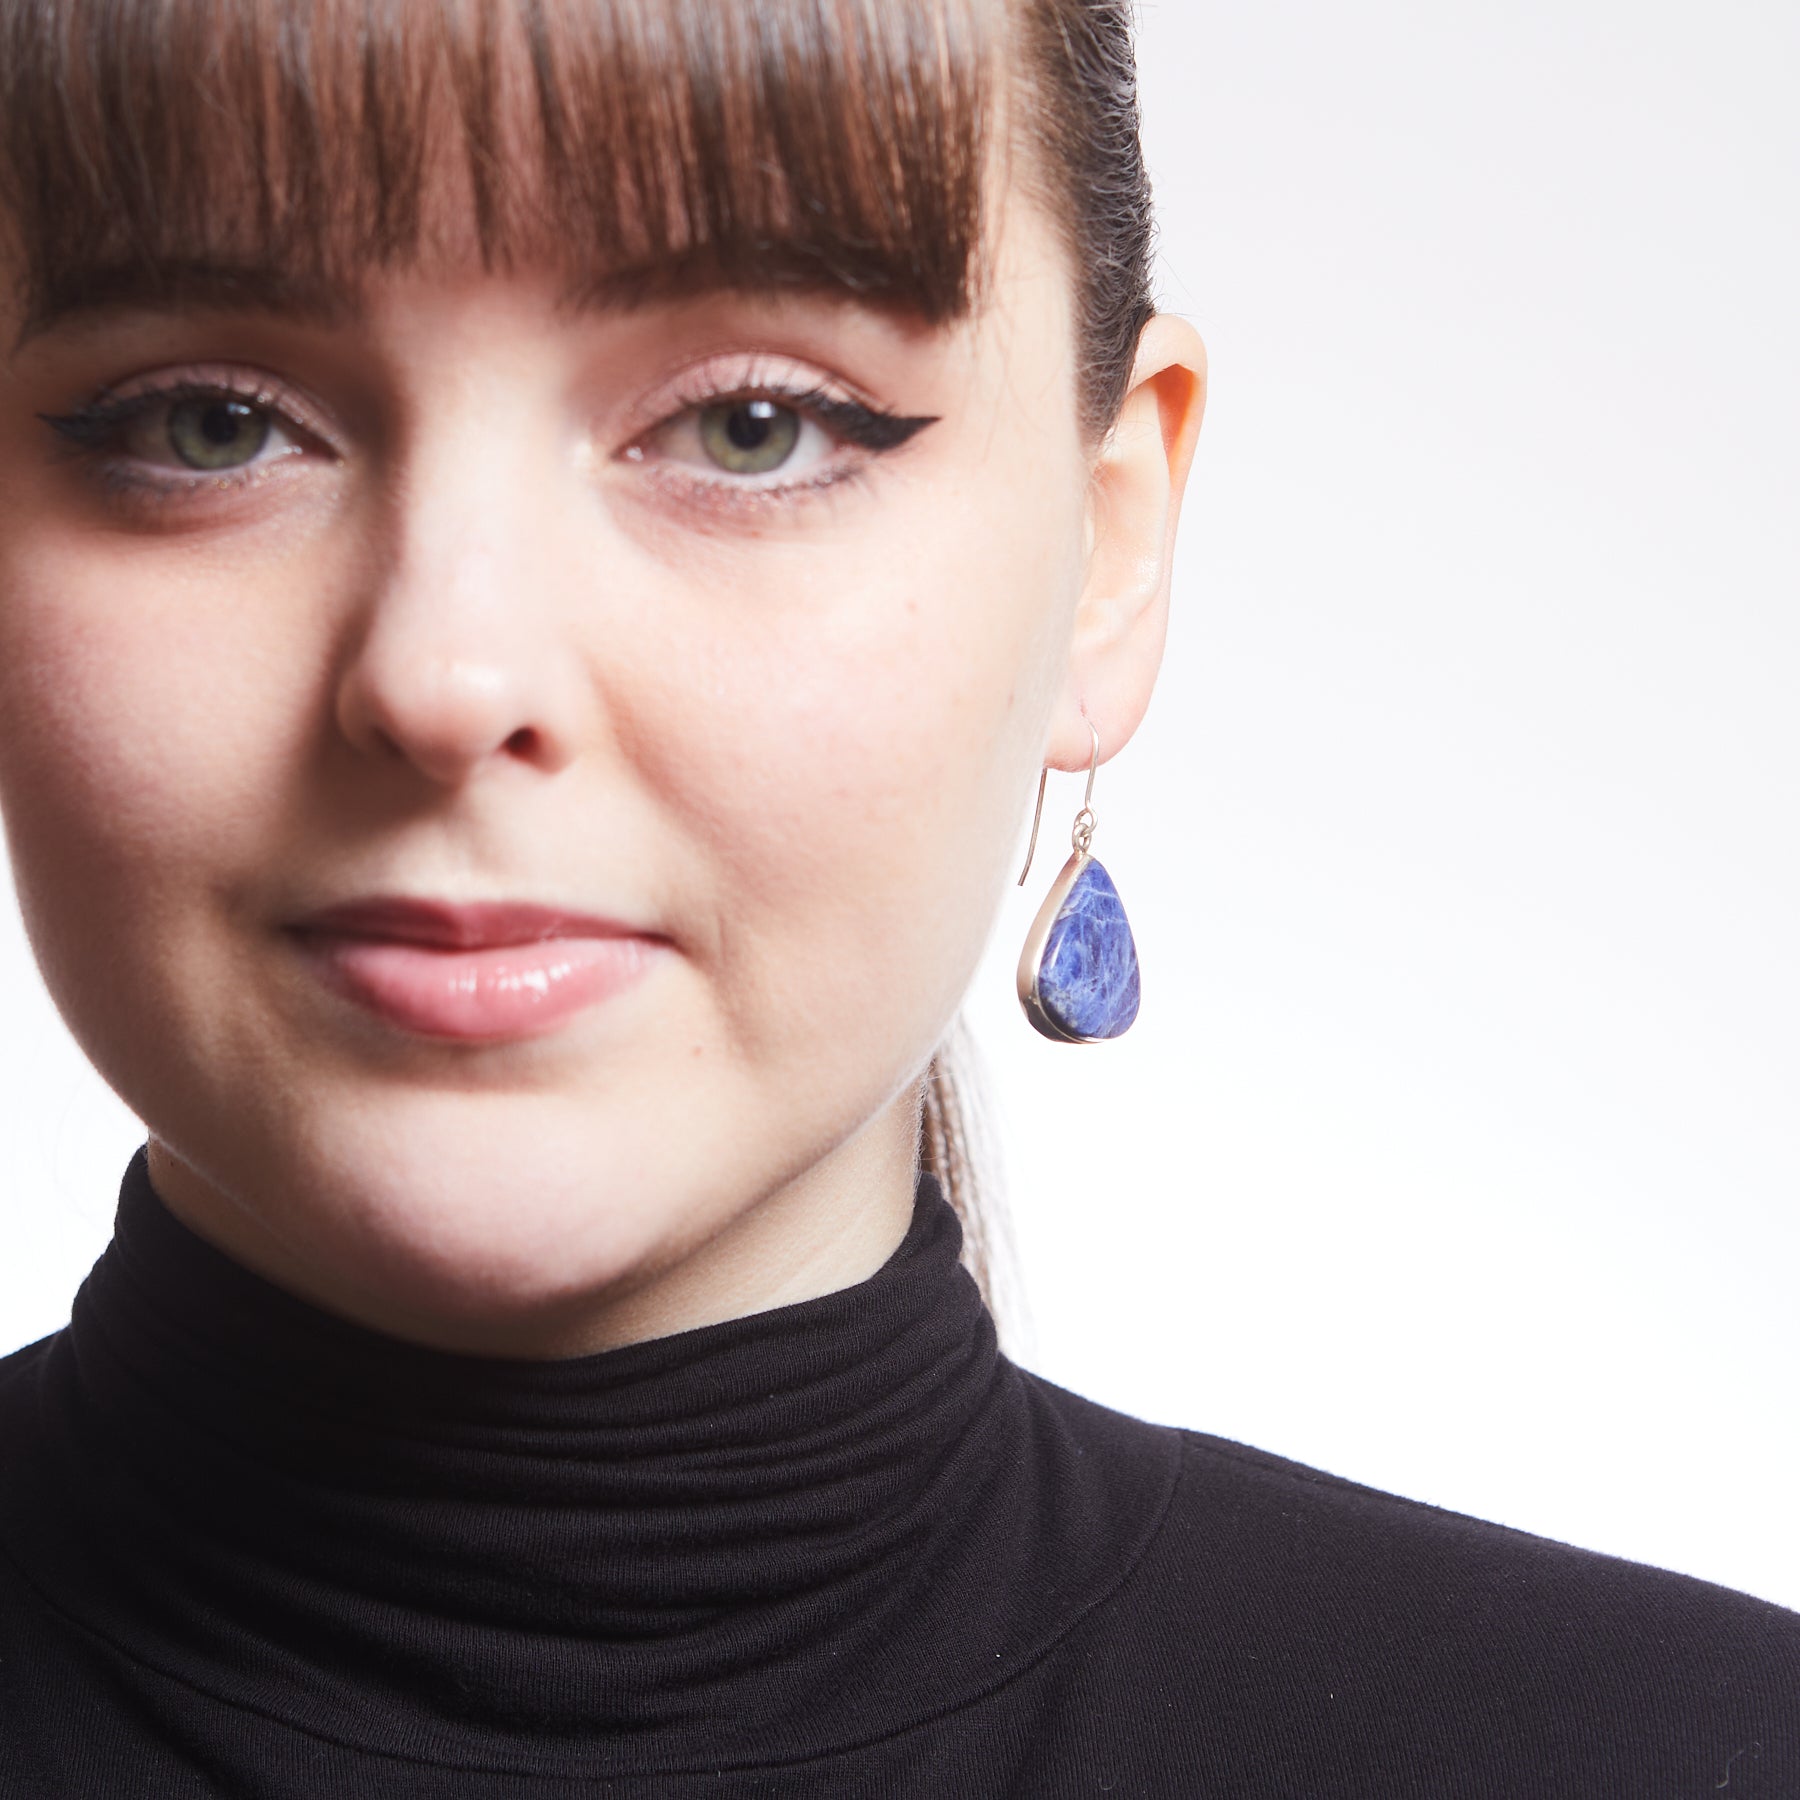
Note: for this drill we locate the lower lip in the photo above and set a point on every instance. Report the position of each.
(502, 993)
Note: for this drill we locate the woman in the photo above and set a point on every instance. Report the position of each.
(543, 552)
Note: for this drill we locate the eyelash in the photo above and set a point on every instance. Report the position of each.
(89, 432)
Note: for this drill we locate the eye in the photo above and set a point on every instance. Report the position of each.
(803, 435)
(749, 437)
(767, 438)
(161, 441)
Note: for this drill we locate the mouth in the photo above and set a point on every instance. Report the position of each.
(490, 972)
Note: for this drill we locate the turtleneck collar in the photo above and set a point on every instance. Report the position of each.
(670, 1553)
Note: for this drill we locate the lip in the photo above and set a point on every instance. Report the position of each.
(489, 972)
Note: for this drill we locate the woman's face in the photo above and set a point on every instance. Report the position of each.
(483, 602)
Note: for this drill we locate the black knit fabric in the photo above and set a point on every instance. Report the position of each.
(842, 1548)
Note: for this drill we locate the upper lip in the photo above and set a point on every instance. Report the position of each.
(479, 925)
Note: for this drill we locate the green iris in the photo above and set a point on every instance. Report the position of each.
(216, 434)
(749, 437)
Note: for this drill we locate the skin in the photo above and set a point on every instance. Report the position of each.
(492, 628)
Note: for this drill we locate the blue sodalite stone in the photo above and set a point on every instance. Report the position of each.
(1088, 979)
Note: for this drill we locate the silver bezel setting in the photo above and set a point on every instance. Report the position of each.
(1031, 957)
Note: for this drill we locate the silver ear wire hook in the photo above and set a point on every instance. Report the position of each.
(1083, 835)
(1036, 820)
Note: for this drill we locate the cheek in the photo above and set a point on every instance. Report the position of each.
(872, 716)
(135, 716)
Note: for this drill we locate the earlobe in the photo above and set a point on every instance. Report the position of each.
(1139, 477)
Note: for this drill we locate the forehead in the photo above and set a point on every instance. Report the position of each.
(279, 154)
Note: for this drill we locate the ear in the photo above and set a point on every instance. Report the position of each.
(1134, 504)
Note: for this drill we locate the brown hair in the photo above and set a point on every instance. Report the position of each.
(678, 144)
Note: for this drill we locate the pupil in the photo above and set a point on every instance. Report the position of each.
(222, 421)
(750, 424)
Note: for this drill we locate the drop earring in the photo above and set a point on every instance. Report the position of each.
(1078, 973)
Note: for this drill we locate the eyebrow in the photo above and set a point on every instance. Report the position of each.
(97, 294)
(93, 295)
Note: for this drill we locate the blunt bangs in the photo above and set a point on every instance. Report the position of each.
(652, 145)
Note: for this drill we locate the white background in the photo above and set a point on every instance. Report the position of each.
(1456, 1148)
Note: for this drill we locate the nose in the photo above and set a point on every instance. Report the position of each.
(457, 659)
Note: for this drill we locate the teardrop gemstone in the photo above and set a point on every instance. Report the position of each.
(1088, 977)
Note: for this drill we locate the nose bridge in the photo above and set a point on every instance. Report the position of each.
(455, 660)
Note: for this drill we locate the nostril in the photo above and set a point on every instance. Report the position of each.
(524, 743)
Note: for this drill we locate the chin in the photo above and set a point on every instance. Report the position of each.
(483, 1209)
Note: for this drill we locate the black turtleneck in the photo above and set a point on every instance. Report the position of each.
(841, 1548)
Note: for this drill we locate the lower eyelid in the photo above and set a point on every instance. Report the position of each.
(115, 476)
(681, 484)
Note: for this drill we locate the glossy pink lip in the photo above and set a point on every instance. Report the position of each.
(479, 974)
